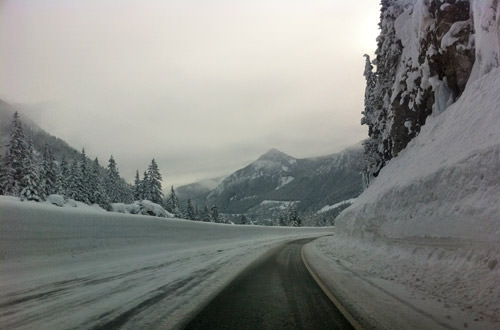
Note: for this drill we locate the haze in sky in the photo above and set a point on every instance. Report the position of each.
(203, 86)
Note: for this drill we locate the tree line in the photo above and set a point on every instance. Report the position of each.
(36, 174)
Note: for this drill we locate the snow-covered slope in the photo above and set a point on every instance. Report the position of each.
(425, 234)
(422, 242)
(447, 181)
(71, 268)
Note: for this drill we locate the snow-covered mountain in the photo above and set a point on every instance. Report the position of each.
(198, 191)
(269, 185)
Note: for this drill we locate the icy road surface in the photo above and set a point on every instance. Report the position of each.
(276, 292)
(84, 269)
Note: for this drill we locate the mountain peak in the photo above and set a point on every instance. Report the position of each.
(274, 154)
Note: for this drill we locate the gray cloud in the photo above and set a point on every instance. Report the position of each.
(203, 86)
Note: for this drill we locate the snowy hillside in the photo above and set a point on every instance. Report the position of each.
(40, 136)
(426, 232)
(79, 269)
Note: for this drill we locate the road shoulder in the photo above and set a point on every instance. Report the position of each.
(372, 302)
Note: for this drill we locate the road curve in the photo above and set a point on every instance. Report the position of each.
(274, 293)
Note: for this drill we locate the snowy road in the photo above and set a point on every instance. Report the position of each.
(71, 269)
(276, 292)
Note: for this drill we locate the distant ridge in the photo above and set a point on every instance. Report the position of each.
(274, 181)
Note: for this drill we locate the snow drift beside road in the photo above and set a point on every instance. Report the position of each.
(72, 268)
(446, 183)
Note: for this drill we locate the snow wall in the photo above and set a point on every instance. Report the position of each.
(446, 183)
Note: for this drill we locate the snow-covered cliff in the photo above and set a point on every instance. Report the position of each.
(446, 182)
(427, 51)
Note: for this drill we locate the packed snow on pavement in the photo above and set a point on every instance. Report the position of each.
(80, 268)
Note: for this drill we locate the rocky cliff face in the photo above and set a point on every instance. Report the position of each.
(425, 56)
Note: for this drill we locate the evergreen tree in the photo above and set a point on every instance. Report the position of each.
(244, 220)
(138, 193)
(30, 183)
(125, 191)
(14, 168)
(144, 187)
(48, 172)
(214, 215)
(154, 183)
(72, 186)
(205, 215)
(293, 217)
(63, 177)
(83, 182)
(113, 182)
(190, 210)
(98, 193)
(172, 203)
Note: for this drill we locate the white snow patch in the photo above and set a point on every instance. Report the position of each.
(56, 200)
(283, 205)
(284, 180)
(451, 36)
(144, 207)
(327, 208)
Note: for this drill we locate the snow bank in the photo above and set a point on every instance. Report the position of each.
(412, 283)
(56, 200)
(144, 207)
(446, 182)
(427, 230)
(75, 268)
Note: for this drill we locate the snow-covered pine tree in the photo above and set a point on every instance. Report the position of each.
(293, 217)
(113, 182)
(283, 219)
(98, 193)
(190, 210)
(126, 191)
(138, 194)
(244, 220)
(32, 189)
(378, 95)
(72, 185)
(48, 171)
(83, 182)
(205, 215)
(214, 214)
(154, 183)
(14, 169)
(172, 203)
(371, 114)
(63, 177)
(145, 189)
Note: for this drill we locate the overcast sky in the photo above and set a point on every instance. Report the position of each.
(204, 86)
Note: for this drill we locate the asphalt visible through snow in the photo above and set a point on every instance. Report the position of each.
(274, 293)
